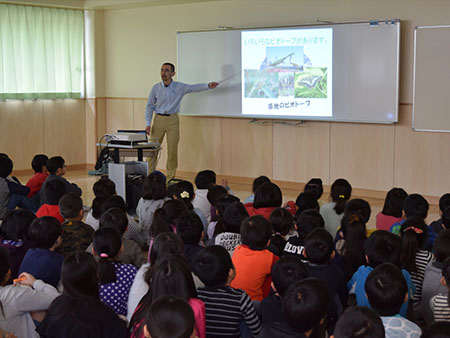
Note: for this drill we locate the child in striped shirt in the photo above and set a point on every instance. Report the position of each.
(226, 308)
(440, 304)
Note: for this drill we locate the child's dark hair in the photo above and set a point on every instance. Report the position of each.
(287, 271)
(341, 192)
(307, 221)
(442, 246)
(256, 232)
(4, 266)
(54, 190)
(360, 206)
(414, 234)
(446, 275)
(164, 217)
(154, 187)
(315, 187)
(212, 265)
(214, 193)
(319, 246)
(415, 205)
(233, 216)
(103, 189)
(393, 203)
(6, 166)
(305, 304)
(16, 223)
(54, 163)
(189, 227)
(446, 218)
(305, 201)
(444, 202)
(437, 330)
(70, 205)
(38, 162)
(107, 243)
(205, 178)
(268, 195)
(353, 227)
(79, 277)
(383, 247)
(44, 231)
(184, 191)
(386, 289)
(259, 181)
(221, 204)
(170, 317)
(282, 221)
(114, 201)
(114, 218)
(359, 322)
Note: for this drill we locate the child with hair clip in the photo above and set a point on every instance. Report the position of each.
(24, 302)
(233, 216)
(392, 209)
(440, 304)
(165, 244)
(173, 277)
(333, 212)
(103, 189)
(154, 194)
(414, 258)
(359, 322)
(169, 317)
(78, 312)
(115, 278)
(283, 227)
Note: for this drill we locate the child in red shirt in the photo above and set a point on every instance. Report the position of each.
(54, 191)
(39, 165)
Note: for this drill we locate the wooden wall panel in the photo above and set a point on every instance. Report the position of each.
(246, 148)
(21, 131)
(119, 114)
(64, 129)
(422, 158)
(301, 152)
(101, 117)
(92, 136)
(139, 114)
(363, 154)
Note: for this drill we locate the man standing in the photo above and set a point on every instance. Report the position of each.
(165, 99)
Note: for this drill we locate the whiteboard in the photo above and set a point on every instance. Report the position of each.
(365, 77)
(431, 110)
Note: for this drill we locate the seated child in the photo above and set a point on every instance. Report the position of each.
(268, 196)
(20, 300)
(252, 261)
(305, 305)
(306, 222)
(56, 166)
(256, 183)
(233, 216)
(283, 227)
(190, 229)
(392, 209)
(381, 247)
(359, 322)
(76, 235)
(387, 291)
(215, 192)
(413, 205)
(226, 307)
(14, 237)
(314, 186)
(440, 304)
(12, 193)
(437, 330)
(43, 262)
(103, 189)
(203, 181)
(169, 317)
(220, 205)
(305, 201)
(438, 225)
(115, 277)
(433, 274)
(286, 272)
(333, 212)
(39, 165)
(54, 191)
(319, 252)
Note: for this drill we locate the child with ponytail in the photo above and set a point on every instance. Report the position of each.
(333, 212)
(115, 278)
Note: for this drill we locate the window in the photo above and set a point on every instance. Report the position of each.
(41, 52)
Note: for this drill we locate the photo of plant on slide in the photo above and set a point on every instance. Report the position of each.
(260, 83)
(311, 83)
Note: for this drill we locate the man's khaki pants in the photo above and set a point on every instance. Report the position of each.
(169, 125)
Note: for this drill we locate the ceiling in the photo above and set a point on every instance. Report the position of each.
(105, 4)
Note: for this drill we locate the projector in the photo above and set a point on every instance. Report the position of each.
(125, 137)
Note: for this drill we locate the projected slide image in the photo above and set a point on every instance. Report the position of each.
(260, 84)
(311, 83)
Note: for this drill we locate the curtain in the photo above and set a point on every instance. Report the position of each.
(41, 52)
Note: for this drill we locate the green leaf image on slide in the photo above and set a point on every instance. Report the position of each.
(261, 83)
(311, 83)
